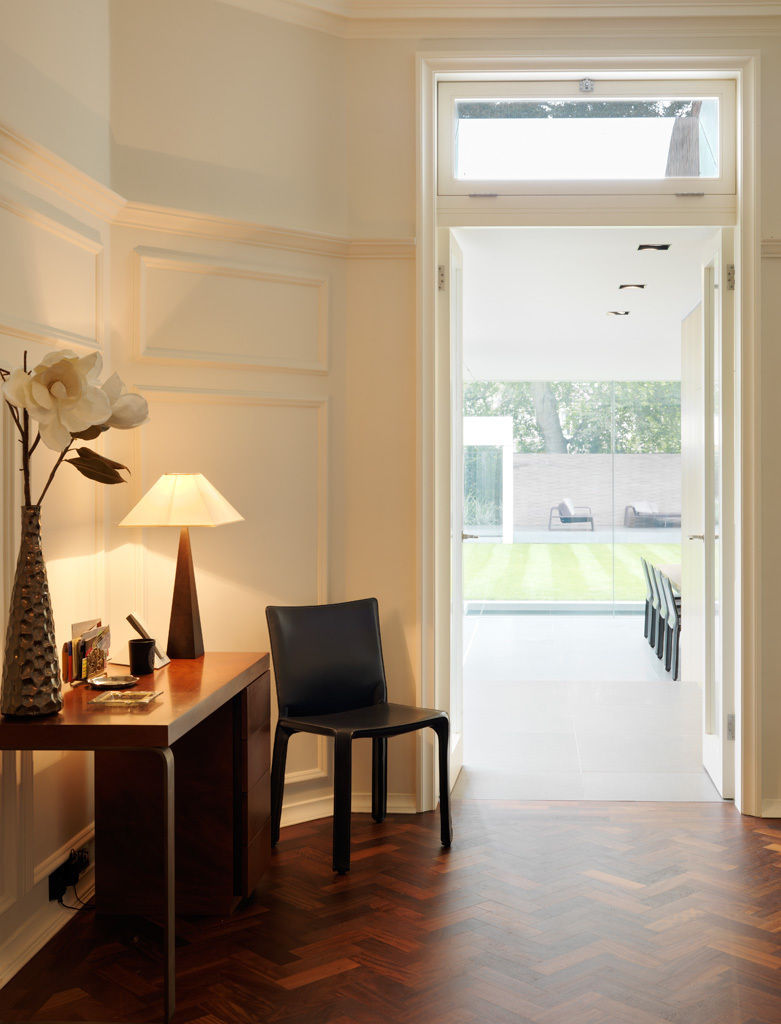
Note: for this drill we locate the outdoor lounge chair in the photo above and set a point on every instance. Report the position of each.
(567, 514)
(645, 513)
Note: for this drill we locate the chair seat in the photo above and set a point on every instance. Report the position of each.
(376, 720)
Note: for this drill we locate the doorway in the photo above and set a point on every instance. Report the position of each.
(553, 589)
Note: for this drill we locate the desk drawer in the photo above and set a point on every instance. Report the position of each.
(254, 784)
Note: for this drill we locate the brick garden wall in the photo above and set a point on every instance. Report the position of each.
(543, 480)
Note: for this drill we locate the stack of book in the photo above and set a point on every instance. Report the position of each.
(86, 655)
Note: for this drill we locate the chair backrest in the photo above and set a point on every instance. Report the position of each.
(663, 611)
(327, 657)
(649, 592)
(672, 608)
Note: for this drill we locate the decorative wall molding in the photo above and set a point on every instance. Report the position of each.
(146, 217)
(51, 170)
(361, 18)
(215, 396)
(321, 769)
(148, 260)
(771, 249)
(46, 866)
(309, 809)
(36, 931)
(50, 334)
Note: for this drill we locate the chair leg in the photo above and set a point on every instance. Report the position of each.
(379, 778)
(442, 729)
(661, 627)
(652, 632)
(281, 736)
(676, 654)
(342, 801)
(647, 620)
(668, 649)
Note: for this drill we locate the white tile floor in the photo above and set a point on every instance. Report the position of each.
(575, 707)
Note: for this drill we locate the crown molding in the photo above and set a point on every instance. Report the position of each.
(358, 18)
(170, 221)
(57, 174)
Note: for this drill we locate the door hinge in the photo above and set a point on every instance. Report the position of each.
(441, 278)
(730, 277)
(730, 727)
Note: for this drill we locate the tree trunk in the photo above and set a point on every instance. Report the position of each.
(546, 411)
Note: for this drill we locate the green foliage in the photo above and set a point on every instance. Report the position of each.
(598, 417)
(482, 485)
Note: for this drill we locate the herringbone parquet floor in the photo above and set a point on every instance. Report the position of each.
(541, 913)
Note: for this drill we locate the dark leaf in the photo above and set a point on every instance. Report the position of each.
(95, 471)
(91, 432)
(89, 456)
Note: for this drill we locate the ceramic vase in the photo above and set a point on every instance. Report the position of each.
(31, 672)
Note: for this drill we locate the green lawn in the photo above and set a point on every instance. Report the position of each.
(559, 572)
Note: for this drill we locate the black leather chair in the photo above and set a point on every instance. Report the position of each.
(330, 680)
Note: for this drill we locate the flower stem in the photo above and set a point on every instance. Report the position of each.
(56, 466)
(36, 442)
(26, 455)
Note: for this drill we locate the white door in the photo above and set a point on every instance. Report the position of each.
(455, 277)
(706, 540)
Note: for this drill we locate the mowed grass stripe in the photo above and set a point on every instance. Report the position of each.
(559, 572)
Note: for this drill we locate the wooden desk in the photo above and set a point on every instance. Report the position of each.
(211, 724)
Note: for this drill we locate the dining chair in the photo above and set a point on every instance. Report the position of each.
(330, 680)
(674, 625)
(661, 619)
(649, 625)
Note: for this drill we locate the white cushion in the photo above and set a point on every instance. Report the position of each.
(566, 508)
(645, 508)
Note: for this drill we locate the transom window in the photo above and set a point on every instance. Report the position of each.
(512, 138)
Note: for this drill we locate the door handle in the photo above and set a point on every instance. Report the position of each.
(696, 536)
(468, 536)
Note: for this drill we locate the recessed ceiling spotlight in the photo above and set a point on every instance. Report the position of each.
(657, 246)
(618, 312)
(622, 286)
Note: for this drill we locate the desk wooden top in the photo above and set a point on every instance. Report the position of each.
(192, 690)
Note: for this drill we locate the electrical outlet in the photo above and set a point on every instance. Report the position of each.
(68, 873)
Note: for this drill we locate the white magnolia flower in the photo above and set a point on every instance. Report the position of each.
(127, 408)
(60, 394)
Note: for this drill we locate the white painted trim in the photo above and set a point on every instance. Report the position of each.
(771, 249)
(319, 771)
(45, 867)
(357, 18)
(195, 263)
(187, 223)
(296, 812)
(36, 931)
(51, 170)
(599, 211)
(432, 420)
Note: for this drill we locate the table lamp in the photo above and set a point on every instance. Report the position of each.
(184, 500)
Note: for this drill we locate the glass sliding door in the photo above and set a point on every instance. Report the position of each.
(595, 483)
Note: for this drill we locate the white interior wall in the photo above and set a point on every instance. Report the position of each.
(232, 114)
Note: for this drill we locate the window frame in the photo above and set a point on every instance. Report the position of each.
(451, 91)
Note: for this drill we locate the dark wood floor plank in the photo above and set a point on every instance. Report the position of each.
(541, 913)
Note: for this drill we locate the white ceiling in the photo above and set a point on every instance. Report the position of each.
(536, 301)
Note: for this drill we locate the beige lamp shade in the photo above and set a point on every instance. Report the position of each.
(182, 499)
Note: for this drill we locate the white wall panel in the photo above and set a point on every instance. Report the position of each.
(195, 308)
(267, 456)
(50, 278)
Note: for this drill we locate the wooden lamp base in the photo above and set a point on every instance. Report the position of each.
(185, 639)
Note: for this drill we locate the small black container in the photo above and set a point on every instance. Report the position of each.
(142, 657)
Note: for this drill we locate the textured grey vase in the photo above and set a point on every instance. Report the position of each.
(31, 671)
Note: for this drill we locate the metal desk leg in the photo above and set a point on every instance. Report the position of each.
(169, 925)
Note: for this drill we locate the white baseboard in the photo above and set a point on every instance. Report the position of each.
(323, 807)
(35, 932)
